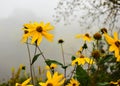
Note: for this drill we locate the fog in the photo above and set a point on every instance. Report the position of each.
(14, 14)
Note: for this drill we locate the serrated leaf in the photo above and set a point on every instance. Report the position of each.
(35, 58)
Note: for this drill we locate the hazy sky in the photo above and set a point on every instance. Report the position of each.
(14, 13)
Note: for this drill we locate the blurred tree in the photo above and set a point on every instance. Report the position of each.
(89, 13)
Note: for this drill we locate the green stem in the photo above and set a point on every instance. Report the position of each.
(33, 67)
(73, 71)
(30, 61)
(41, 53)
(63, 59)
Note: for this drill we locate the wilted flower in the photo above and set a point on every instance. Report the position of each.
(96, 54)
(104, 30)
(97, 36)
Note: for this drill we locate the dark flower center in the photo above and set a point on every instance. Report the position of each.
(81, 56)
(25, 32)
(39, 29)
(87, 35)
(52, 67)
(117, 43)
(118, 82)
(74, 84)
(49, 84)
(60, 41)
(104, 30)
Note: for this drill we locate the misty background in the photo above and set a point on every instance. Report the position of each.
(14, 13)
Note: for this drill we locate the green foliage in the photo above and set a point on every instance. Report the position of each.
(82, 76)
(35, 58)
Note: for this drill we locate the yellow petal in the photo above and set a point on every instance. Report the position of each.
(26, 82)
(79, 36)
(17, 84)
(48, 36)
(115, 36)
(109, 39)
(112, 48)
(118, 58)
(61, 82)
(39, 40)
(34, 38)
(49, 75)
(116, 52)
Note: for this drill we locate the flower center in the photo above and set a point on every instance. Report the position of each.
(81, 56)
(52, 67)
(119, 82)
(39, 29)
(49, 84)
(117, 43)
(87, 35)
(74, 84)
(25, 32)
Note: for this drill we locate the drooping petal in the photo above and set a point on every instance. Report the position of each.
(34, 38)
(109, 39)
(39, 39)
(49, 75)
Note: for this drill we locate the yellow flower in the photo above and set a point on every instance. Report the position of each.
(73, 82)
(82, 60)
(52, 66)
(24, 83)
(118, 58)
(85, 37)
(78, 53)
(36, 31)
(114, 43)
(55, 80)
(116, 83)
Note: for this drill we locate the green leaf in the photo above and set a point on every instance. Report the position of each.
(35, 58)
(107, 58)
(82, 76)
(49, 62)
(73, 58)
(102, 84)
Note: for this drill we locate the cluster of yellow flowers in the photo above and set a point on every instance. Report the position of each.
(55, 80)
(35, 31)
